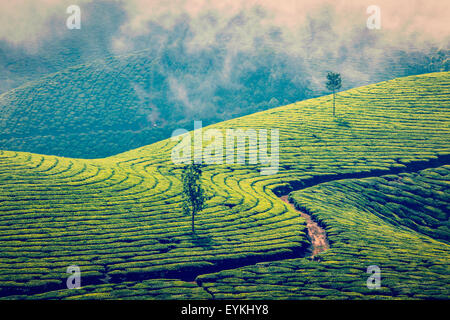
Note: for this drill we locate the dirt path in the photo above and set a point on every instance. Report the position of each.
(316, 233)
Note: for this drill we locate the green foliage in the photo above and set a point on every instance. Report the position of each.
(193, 193)
(121, 220)
(334, 81)
(363, 232)
(113, 105)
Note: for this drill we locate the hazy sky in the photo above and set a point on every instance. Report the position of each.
(323, 34)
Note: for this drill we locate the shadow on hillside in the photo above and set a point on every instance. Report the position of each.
(205, 241)
(342, 122)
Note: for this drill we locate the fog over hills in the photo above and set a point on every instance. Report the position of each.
(136, 70)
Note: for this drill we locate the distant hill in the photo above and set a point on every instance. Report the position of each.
(119, 103)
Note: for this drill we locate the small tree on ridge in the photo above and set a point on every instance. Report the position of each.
(193, 194)
(334, 83)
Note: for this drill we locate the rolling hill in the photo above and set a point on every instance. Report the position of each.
(376, 178)
(119, 103)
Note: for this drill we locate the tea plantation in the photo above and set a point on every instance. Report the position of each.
(363, 175)
(355, 215)
(63, 113)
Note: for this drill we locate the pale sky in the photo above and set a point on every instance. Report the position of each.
(23, 21)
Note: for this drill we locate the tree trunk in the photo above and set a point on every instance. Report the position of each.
(334, 103)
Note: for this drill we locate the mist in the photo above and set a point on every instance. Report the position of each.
(222, 59)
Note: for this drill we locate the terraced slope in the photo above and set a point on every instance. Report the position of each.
(354, 212)
(108, 106)
(120, 218)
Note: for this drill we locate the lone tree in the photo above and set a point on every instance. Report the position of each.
(333, 83)
(193, 193)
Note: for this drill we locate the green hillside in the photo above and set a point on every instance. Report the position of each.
(120, 218)
(109, 106)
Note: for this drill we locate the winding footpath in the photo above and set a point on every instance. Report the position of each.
(316, 233)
